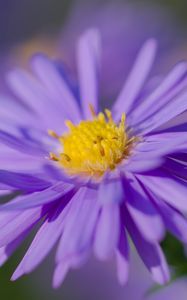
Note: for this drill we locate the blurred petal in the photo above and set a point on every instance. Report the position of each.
(88, 63)
(56, 86)
(136, 79)
(150, 253)
(122, 257)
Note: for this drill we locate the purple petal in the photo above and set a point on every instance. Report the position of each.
(23, 182)
(150, 253)
(122, 257)
(174, 221)
(88, 60)
(80, 224)
(140, 163)
(13, 160)
(34, 95)
(18, 225)
(43, 242)
(49, 195)
(110, 192)
(168, 189)
(56, 87)
(22, 145)
(175, 107)
(178, 124)
(107, 231)
(151, 153)
(162, 94)
(162, 144)
(6, 251)
(136, 79)
(63, 267)
(60, 273)
(142, 210)
(176, 167)
(13, 110)
(6, 217)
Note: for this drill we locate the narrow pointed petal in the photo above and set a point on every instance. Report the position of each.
(174, 221)
(165, 114)
(43, 242)
(56, 86)
(143, 212)
(88, 64)
(23, 182)
(169, 88)
(169, 189)
(80, 225)
(18, 225)
(122, 258)
(62, 268)
(150, 253)
(136, 79)
(6, 251)
(22, 145)
(49, 195)
(107, 231)
(110, 192)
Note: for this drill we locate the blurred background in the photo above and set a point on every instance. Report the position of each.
(53, 27)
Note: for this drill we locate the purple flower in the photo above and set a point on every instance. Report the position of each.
(89, 178)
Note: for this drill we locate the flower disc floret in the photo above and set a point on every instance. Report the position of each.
(93, 146)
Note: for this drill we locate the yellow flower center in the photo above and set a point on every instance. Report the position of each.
(93, 146)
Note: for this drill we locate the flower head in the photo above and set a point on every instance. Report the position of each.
(93, 147)
(97, 176)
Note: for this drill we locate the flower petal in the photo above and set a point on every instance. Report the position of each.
(56, 86)
(110, 192)
(43, 242)
(22, 182)
(136, 79)
(80, 225)
(18, 225)
(142, 210)
(175, 222)
(169, 88)
(107, 231)
(62, 268)
(6, 251)
(122, 257)
(49, 195)
(172, 109)
(169, 189)
(34, 95)
(150, 253)
(22, 145)
(88, 61)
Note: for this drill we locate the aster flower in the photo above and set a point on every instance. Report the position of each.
(88, 177)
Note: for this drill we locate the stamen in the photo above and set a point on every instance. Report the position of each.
(53, 134)
(93, 147)
(69, 124)
(65, 156)
(53, 156)
(109, 115)
(92, 110)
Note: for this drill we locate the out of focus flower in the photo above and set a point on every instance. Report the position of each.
(110, 173)
(124, 27)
